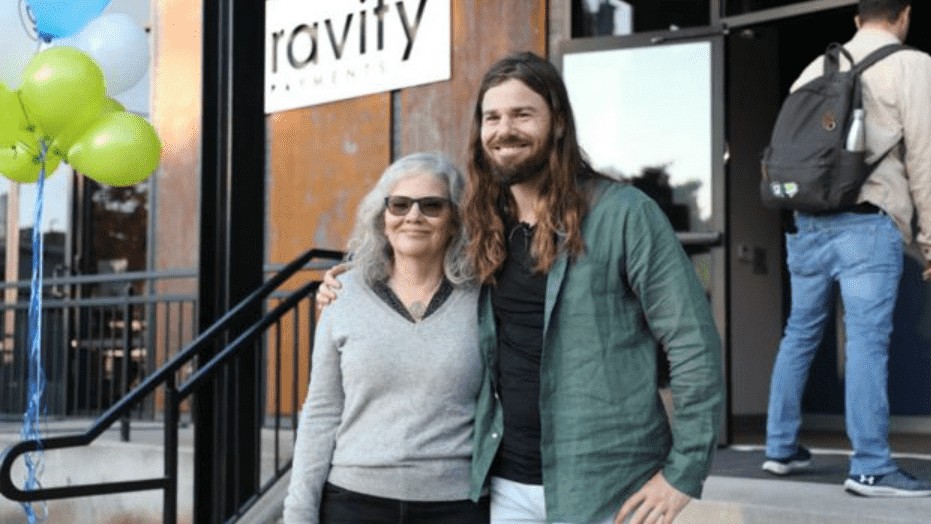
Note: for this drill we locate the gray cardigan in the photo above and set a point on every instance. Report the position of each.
(391, 403)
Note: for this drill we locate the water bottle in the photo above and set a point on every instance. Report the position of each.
(856, 137)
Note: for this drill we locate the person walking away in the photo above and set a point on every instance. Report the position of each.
(862, 250)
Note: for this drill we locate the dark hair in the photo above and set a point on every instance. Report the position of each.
(559, 219)
(888, 10)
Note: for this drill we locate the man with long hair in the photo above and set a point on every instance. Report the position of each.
(583, 277)
(861, 250)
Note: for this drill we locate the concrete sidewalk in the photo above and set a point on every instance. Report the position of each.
(732, 500)
(735, 493)
(109, 459)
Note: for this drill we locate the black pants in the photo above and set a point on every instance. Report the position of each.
(341, 506)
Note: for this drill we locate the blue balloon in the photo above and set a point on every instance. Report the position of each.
(61, 18)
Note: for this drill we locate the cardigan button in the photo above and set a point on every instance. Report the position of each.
(494, 435)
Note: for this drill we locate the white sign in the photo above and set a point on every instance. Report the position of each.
(319, 51)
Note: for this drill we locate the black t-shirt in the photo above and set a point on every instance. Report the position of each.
(518, 302)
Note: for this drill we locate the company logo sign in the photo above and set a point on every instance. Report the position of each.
(319, 51)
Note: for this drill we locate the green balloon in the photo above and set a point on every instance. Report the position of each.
(119, 149)
(62, 87)
(65, 139)
(22, 162)
(9, 116)
(111, 105)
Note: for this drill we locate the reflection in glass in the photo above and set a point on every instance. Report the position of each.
(17, 225)
(622, 17)
(604, 17)
(739, 7)
(644, 114)
(110, 234)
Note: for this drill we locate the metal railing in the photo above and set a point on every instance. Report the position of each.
(291, 315)
(101, 335)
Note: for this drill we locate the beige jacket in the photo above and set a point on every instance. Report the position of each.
(897, 102)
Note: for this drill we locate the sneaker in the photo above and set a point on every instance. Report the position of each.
(896, 484)
(798, 461)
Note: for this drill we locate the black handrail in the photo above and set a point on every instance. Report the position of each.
(174, 396)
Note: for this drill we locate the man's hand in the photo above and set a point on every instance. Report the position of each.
(657, 502)
(326, 293)
(927, 273)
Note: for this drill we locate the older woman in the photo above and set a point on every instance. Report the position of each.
(385, 433)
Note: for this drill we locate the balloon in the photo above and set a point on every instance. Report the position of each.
(21, 163)
(120, 47)
(58, 18)
(63, 87)
(136, 99)
(65, 139)
(18, 42)
(120, 149)
(9, 116)
(111, 105)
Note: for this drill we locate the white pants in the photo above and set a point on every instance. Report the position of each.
(516, 503)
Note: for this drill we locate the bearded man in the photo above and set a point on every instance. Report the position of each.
(582, 278)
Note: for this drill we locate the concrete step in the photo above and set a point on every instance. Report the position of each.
(108, 459)
(731, 500)
(269, 510)
(105, 460)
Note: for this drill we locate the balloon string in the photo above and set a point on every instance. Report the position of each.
(26, 15)
(36, 375)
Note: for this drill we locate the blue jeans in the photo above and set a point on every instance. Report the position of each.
(863, 253)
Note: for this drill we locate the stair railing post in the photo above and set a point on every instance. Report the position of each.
(170, 504)
(127, 355)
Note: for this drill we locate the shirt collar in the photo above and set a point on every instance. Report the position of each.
(875, 37)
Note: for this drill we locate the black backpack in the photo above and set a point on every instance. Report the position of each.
(807, 166)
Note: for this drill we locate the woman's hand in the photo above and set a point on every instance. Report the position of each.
(327, 291)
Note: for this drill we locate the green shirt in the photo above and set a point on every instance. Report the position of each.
(604, 428)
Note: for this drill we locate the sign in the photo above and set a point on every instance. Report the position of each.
(319, 51)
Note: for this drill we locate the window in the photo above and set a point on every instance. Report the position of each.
(645, 114)
(739, 7)
(621, 17)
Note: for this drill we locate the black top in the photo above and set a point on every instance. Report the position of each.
(518, 302)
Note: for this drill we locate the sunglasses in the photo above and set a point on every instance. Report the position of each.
(429, 206)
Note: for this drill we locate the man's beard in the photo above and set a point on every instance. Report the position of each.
(518, 172)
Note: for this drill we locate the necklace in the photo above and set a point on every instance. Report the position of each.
(417, 308)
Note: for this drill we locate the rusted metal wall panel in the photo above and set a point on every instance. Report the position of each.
(436, 117)
(323, 160)
(176, 115)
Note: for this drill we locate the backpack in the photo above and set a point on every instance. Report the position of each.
(807, 165)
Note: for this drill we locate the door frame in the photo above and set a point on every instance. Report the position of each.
(715, 242)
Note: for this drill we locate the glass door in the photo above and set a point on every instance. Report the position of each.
(649, 109)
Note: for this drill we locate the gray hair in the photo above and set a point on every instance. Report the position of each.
(368, 246)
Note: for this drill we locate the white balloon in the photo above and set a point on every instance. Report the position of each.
(136, 99)
(18, 44)
(120, 47)
(69, 41)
